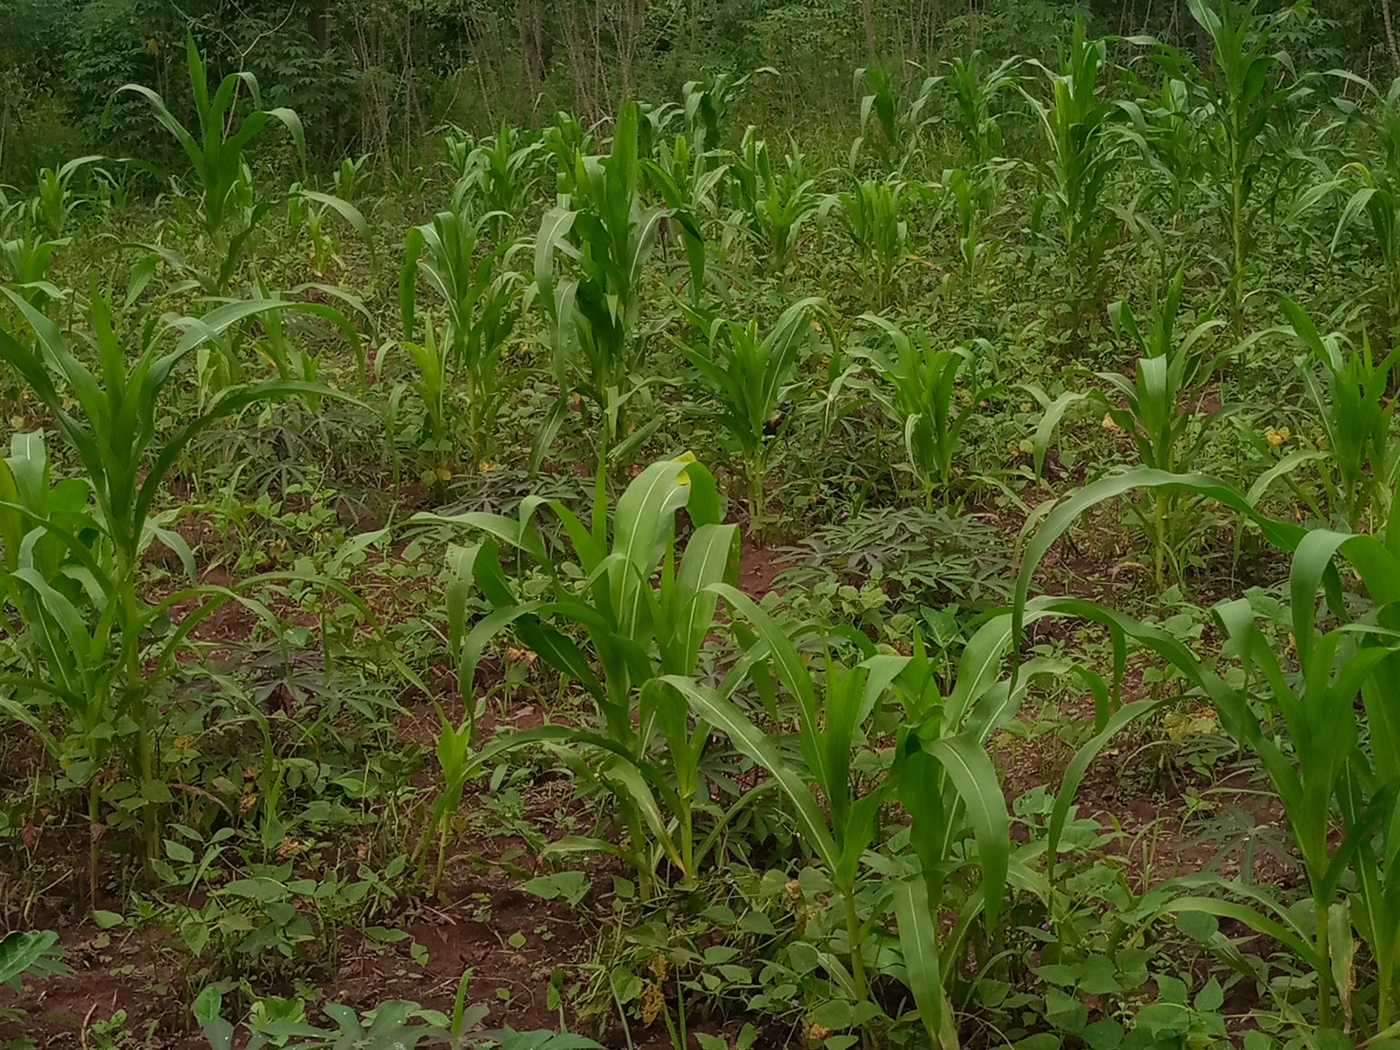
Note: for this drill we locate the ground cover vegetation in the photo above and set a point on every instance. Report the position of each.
(706, 545)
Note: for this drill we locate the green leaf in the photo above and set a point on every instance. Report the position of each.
(261, 889)
(970, 769)
(754, 743)
(568, 886)
(33, 953)
(918, 941)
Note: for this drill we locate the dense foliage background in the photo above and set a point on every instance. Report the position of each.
(374, 75)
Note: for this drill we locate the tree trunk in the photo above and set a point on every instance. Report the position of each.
(867, 13)
(530, 21)
(577, 41)
(1390, 35)
(318, 23)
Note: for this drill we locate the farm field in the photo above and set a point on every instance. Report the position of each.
(691, 578)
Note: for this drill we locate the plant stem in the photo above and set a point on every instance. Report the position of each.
(1324, 988)
(442, 854)
(94, 824)
(135, 686)
(1237, 231)
(853, 938)
(1160, 511)
(1385, 996)
(754, 467)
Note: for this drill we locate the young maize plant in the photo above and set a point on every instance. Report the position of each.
(1332, 761)
(645, 612)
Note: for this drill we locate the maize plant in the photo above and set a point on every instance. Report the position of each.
(899, 126)
(687, 184)
(705, 106)
(1247, 88)
(53, 208)
(940, 773)
(1330, 758)
(500, 177)
(645, 612)
(750, 377)
(918, 392)
(1166, 429)
(27, 259)
(975, 199)
(873, 214)
(1083, 153)
(1170, 133)
(1372, 189)
(974, 88)
(771, 207)
(228, 213)
(591, 255)
(91, 658)
(483, 299)
(1352, 398)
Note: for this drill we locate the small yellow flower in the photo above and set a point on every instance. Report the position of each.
(1109, 424)
(246, 804)
(289, 846)
(520, 656)
(487, 466)
(817, 1033)
(1276, 437)
(184, 743)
